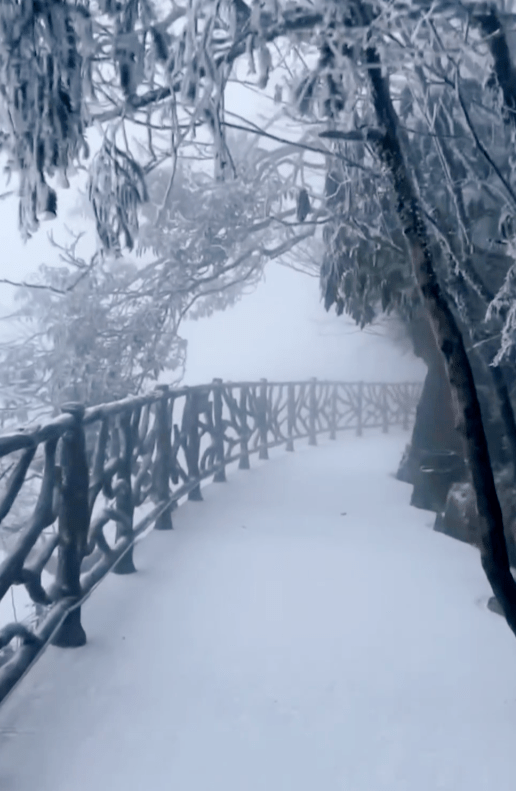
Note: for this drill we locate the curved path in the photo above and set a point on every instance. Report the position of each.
(301, 630)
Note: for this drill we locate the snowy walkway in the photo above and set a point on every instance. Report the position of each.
(272, 643)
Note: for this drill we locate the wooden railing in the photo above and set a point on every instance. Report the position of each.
(143, 454)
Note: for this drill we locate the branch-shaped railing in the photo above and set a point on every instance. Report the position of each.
(102, 476)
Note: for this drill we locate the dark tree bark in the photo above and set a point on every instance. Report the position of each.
(434, 426)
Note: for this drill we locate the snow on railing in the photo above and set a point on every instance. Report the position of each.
(143, 454)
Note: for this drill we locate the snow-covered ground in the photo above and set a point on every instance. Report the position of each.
(301, 629)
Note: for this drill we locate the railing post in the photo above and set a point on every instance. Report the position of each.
(143, 425)
(124, 492)
(312, 412)
(291, 416)
(406, 401)
(114, 445)
(244, 436)
(135, 427)
(73, 525)
(218, 439)
(385, 409)
(193, 442)
(163, 462)
(262, 420)
(333, 412)
(99, 459)
(359, 408)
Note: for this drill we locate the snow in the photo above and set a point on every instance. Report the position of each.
(302, 628)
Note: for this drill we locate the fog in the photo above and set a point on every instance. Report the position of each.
(281, 331)
(278, 331)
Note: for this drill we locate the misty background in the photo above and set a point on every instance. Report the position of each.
(279, 330)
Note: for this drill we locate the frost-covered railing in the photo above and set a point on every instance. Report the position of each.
(85, 485)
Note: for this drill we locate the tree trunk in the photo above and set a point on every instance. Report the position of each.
(493, 547)
(434, 426)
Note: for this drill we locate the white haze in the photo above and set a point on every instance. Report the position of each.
(280, 331)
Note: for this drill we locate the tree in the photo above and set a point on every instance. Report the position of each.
(382, 75)
(363, 272)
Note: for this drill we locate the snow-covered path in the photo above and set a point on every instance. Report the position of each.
(301, 630)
